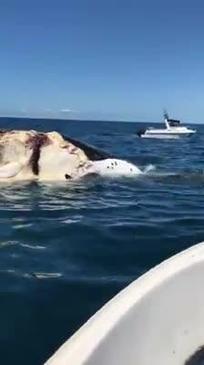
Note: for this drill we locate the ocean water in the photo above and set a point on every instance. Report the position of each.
(65, 249)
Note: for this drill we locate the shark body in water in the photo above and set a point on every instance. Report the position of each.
(31, 155)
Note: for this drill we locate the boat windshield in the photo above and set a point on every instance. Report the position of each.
(174, 122)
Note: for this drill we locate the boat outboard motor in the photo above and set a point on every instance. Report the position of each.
(141, 132)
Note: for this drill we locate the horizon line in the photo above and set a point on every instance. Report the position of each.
(87, 120)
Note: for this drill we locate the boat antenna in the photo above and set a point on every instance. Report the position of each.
(166, 116)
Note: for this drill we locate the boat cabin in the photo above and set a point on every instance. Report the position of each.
(173, 122)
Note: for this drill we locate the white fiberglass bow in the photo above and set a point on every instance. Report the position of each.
(157, 320)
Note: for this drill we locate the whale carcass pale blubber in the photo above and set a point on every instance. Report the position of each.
(32, 155)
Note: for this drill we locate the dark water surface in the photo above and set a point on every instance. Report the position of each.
(65, 249)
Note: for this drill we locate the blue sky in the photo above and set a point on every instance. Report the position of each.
(102, 59)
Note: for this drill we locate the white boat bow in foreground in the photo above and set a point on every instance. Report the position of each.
(157, 320)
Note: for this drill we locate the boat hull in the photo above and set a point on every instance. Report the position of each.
(166, 135)
(157, 320)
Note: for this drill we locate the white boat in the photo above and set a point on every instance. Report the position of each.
(156, 320)
(173, 129)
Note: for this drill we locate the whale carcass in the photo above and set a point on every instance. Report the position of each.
(32, 155)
